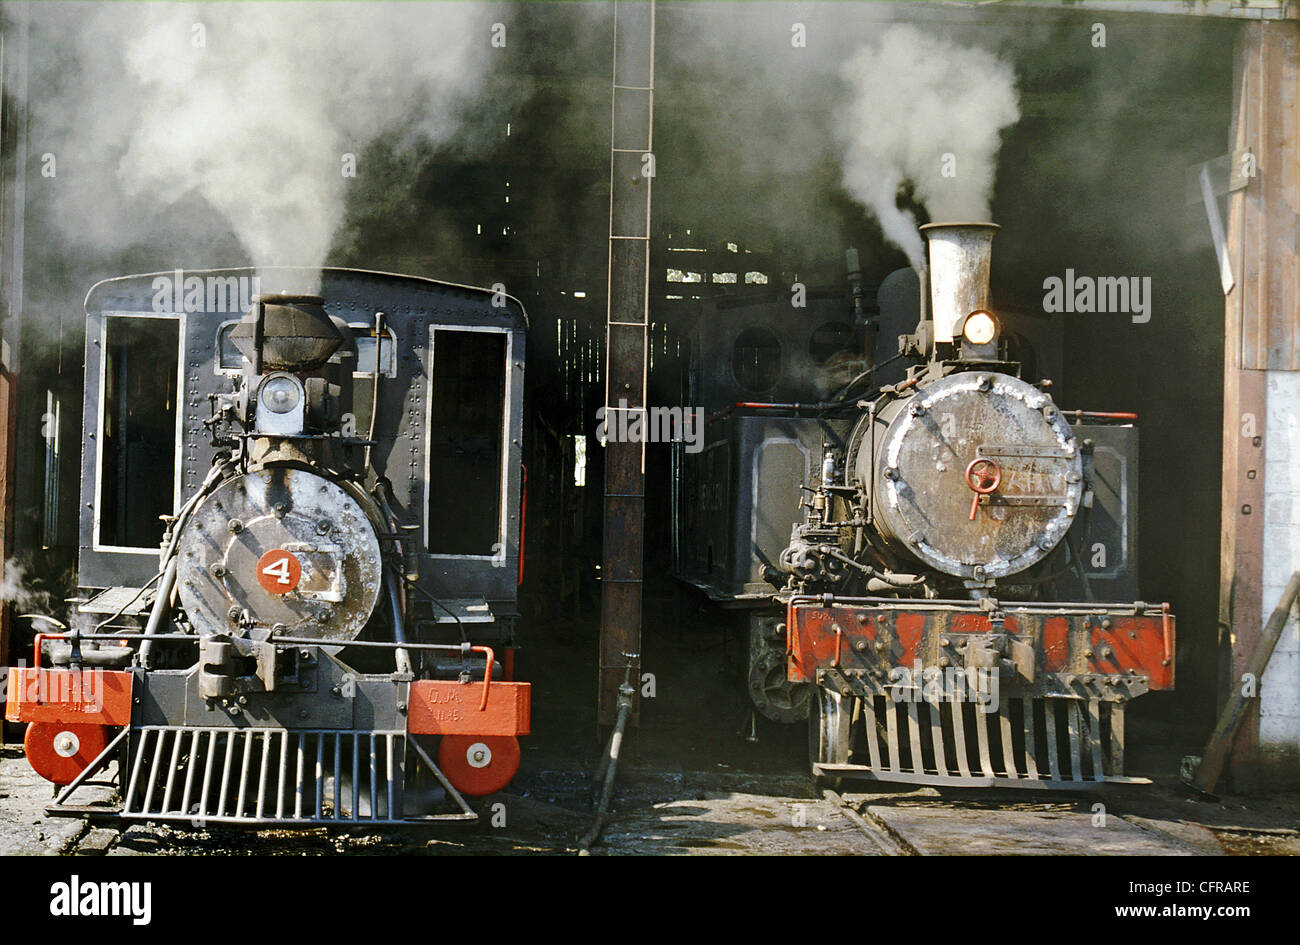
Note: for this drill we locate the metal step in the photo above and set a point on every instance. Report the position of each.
(256, 776)
(1026, 743)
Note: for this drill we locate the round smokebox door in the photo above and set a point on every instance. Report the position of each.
(281, 549)
(978, 471)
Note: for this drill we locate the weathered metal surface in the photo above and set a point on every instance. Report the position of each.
(413, 307)
(925, 506)
(222, 550)
(960, 263)
(1072, 651)
(1023, 743)
(1111, 472)
(287, 333)
(737, 515)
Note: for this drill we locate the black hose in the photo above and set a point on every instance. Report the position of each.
(610, 766)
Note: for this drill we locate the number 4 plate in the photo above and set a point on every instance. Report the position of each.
(279, 571)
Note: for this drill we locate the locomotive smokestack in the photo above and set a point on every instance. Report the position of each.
(961, 255)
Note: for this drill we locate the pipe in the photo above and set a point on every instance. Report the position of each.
(374, 389)
(61, 654)
(401, 655)
(161, 604)
(1220, 743)
(610, 766)
(1098, 415)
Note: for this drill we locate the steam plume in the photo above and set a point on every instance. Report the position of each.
(914, 99)
(250, 108)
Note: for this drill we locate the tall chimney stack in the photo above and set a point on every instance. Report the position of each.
(961, 255)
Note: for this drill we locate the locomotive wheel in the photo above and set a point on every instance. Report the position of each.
(59, 751)
(830, 726)
(478, 765)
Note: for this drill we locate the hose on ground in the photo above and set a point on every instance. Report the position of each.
(609, 764)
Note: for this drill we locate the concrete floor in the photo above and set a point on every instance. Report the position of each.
(721, 811)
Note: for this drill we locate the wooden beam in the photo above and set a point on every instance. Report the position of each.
(1262, 326)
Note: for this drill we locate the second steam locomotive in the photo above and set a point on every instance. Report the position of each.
(944, 607)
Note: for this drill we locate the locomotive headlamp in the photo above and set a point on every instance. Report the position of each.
(979, 328)
(281, 393)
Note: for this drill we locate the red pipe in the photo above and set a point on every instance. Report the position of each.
(487, 677)
(1098, 415)
(36, 646)
(1164, 620)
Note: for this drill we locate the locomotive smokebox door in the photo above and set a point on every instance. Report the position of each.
(977, 475)
(282, 548)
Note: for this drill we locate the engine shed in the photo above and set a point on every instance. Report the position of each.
(672, 211)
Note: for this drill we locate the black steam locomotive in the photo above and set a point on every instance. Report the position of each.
(300, 552)
(937, 567)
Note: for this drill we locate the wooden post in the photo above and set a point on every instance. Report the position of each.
(631, 173)
(1262, 328)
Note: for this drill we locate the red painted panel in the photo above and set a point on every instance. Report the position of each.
(448, 707)
(1055, 645)
(1136, 646)
(101, 696)
(909, 636)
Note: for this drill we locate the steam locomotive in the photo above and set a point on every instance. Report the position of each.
(300, 552)
(937, 568)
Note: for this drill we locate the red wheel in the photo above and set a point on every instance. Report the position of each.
(983, 476)
(479, 764)
(59, 751)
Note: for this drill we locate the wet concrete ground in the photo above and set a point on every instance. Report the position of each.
(715, 812)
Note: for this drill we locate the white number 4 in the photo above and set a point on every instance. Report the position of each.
(279, 570)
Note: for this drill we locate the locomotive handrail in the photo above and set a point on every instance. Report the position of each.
(488, 652)
(829, 600)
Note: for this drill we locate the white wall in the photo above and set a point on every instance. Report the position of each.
(1279, 734)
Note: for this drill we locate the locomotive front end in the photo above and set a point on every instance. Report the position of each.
(921, 590)
(290, 661)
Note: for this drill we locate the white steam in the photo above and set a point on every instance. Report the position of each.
(250, 107)
(926, 111)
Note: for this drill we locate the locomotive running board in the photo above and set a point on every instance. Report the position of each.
(267, 777)
(1036, 744)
